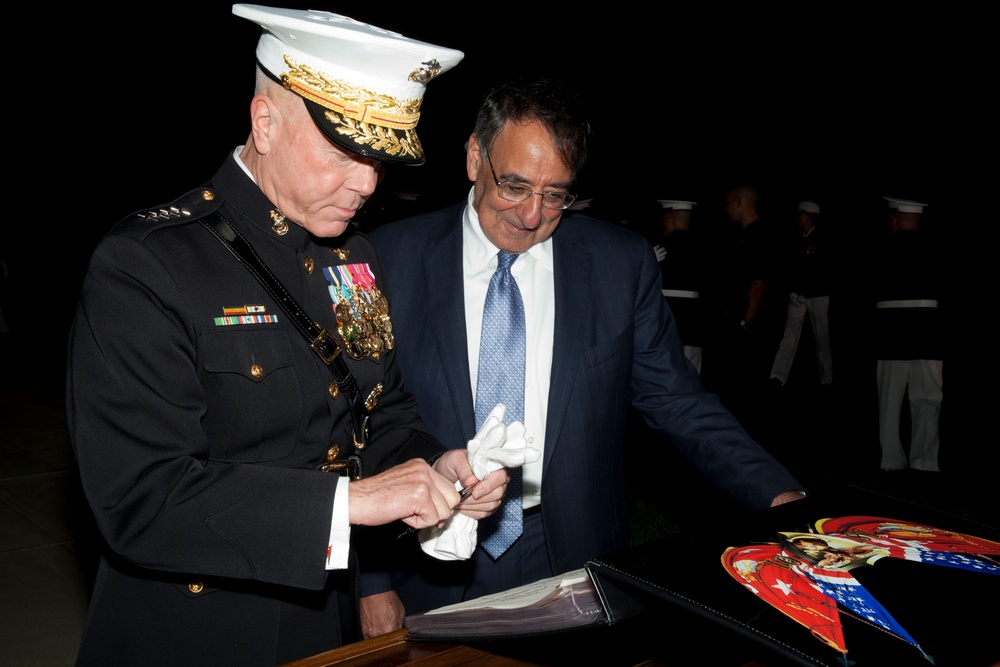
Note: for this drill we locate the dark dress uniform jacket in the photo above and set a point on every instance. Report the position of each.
(615, 344)
(909, 269)
(198, 438)
(810, 267)
(684, 269)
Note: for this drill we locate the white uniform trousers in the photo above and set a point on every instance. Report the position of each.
(692, 352)
(818, 310)
(922, 378)
(694, 355)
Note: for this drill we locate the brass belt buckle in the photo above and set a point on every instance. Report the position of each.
(323, 341)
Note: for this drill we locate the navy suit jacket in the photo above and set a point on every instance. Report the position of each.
(615, 344)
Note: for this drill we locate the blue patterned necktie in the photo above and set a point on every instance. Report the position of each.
(501, 380)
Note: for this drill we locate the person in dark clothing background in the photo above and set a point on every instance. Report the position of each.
(747, 310)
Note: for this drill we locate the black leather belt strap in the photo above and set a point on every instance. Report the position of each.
(320, 340)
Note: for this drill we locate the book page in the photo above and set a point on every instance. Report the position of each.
(522, 596)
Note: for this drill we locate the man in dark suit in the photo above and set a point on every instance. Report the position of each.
(599, 337)
(228, 469)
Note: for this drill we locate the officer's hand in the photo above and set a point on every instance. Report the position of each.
(381, 613)
(661, 252)
(412, 492)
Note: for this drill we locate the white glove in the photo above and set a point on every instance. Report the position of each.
(491, 435)
(661, 252)
(495, 446)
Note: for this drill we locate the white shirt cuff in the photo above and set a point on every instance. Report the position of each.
(340, 528)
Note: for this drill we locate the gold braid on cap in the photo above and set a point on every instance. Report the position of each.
(366, 117)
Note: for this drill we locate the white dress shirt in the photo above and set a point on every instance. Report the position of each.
(533, 272)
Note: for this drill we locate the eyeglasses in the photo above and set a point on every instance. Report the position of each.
(518, 192)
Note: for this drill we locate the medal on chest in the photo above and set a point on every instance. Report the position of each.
(361, 309)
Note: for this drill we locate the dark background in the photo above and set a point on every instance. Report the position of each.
(840, 107)
(832, 106)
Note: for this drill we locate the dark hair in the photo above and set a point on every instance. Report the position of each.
(540, 98)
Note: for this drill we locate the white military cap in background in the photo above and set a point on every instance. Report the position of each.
(363, 85)
(905, 205)
(809, 207)
(677, 204)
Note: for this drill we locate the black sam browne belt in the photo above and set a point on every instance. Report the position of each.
(320, 340)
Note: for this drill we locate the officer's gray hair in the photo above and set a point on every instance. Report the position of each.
(262, 82)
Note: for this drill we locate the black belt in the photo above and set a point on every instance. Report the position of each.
(320, 340)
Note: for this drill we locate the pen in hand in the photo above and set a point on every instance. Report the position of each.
(463, 493)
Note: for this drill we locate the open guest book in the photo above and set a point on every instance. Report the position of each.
(570, 601)
(848, 579)
(555, 604)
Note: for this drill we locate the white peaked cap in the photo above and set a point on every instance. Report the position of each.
(677, 204)
(905, 205)
(363, 85)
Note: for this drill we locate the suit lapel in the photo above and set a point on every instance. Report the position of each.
(446, 313)
(573, 270)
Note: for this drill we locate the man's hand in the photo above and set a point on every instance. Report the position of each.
(381, 613)
(486, 495)
(412, 491)
(488, 503)
(661, 252)
(787, 497)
